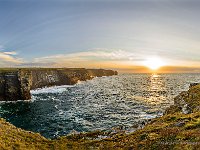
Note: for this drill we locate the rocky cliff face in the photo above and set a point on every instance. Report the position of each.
(16, 84)
(9, 86)
(173, 131)
(187, 101)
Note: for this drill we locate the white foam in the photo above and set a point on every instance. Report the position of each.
(2, 102)
(53, 89)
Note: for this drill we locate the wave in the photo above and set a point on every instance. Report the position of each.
(53, 89)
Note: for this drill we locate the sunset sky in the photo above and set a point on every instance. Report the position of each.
(126, 35)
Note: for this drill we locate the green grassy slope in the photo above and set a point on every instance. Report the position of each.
(174, 130)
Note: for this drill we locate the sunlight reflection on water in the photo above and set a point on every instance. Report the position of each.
(101, 103)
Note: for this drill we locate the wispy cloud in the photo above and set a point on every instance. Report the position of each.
(10, 53)
(91, 55)
(108, 58)
(9, 58)
(89, 58)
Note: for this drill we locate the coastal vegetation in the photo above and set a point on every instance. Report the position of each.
(178, 128)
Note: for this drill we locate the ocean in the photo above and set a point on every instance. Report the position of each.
(103, 103)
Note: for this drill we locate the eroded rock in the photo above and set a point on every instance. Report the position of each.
(16, 84)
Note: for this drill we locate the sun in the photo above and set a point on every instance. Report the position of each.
(154, 63)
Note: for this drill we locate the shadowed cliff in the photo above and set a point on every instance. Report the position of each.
(15, 84)
(178, 128)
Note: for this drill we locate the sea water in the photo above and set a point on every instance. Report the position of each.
(99, 104)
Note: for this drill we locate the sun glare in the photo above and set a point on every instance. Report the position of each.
(154, 63)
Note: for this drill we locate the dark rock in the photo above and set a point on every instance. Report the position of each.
(2, 87)
(193, 84)
(17, 83)
(12, 86)
(179, 124)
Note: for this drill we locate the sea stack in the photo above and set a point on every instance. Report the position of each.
(15, 84)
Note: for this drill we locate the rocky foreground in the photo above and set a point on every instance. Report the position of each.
(178, 128)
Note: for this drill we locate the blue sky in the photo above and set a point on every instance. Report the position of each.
(109, 34)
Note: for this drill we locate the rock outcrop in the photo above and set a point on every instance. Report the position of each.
(16, 84)
(187, 101)
(175, 130)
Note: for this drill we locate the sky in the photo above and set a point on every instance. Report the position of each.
(117, 34)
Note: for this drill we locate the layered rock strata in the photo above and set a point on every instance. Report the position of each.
(16, 84)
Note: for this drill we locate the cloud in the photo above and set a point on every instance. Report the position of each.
(98, 55)
(101, 58)
(93, 58)
(9, 59)
(104, 58)
(10, 53)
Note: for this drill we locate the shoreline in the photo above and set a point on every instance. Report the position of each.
(16, 84)
(168, 132)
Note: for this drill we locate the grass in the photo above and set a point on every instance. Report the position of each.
(160, 133)
(195, 123)
(175, 130)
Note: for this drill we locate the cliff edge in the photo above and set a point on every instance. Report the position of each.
(15, 84)
(177, 129)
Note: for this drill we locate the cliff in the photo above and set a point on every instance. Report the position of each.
(15, 84)
(177, 129)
